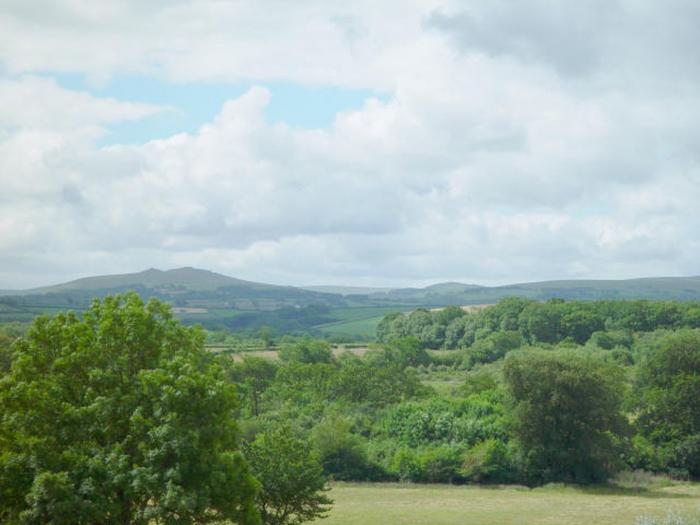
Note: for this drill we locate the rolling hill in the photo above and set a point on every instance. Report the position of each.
(220, 301)
(179, 278)
(183, 287)
(680, 288)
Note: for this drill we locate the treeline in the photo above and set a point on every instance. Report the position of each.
(553, 321)
(539, 414)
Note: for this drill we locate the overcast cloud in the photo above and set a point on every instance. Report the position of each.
(509, 141)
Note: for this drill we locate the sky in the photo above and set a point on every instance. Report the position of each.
(386, 143)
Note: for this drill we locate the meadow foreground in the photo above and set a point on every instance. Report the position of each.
(408, 504)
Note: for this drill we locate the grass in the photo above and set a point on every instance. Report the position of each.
(361, 327)
(401, 504)
(355, 321)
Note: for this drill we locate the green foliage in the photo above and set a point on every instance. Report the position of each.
(119, 418)
(489, 462)
(541, 322)
(307, 351)
(548, 322)
(566, 411)
(478, 381)
(291, 478)
(579, 324)
(407, 351)
(439, 464)
(254, 375)
(301, 384)
(9, 333)
(611, 339)
(495, 346)
(669, 389)
(375, 382)
(448, 314)
(5, 356)
(430, 464)
(438, 420)
(342, 453)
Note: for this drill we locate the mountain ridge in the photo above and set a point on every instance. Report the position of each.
(196, 279)
(220, 302)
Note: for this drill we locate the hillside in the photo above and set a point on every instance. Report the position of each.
(179, 278)
(680, 288)
(221, 302)
(191, 290)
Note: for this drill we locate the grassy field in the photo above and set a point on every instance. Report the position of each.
(399, 504)
(361, 327)
(357, 321)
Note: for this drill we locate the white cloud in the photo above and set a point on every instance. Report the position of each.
(498, 157)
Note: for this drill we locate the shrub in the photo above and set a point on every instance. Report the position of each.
(488, 462)
(292, 483)
(342, 454)
(439, 464)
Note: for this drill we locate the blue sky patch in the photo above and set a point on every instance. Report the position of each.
(197, 104)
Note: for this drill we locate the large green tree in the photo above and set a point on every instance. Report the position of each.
(669, 393)
(120, 417)
(565, 409)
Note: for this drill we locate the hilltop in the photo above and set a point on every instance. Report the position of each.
(186, 278)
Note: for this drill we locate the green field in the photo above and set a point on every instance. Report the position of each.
(366, 328)
(399, 504)
(355, 321)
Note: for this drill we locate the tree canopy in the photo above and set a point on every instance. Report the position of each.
(566, 410)
(119, 417)
(669, 393)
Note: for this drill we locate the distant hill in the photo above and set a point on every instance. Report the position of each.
(219, 301)
(189, 289)
(179, 278)
(681, 288)
(430, 293)
(195, 287)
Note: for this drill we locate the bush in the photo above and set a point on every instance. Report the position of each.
(291, 478)
(439, 464)
(403, 464)
(488, 462)
(441, 421)
(429, 464)
(342, 454)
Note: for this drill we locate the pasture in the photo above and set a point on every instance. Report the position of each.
(355, 321)
(406, 504)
